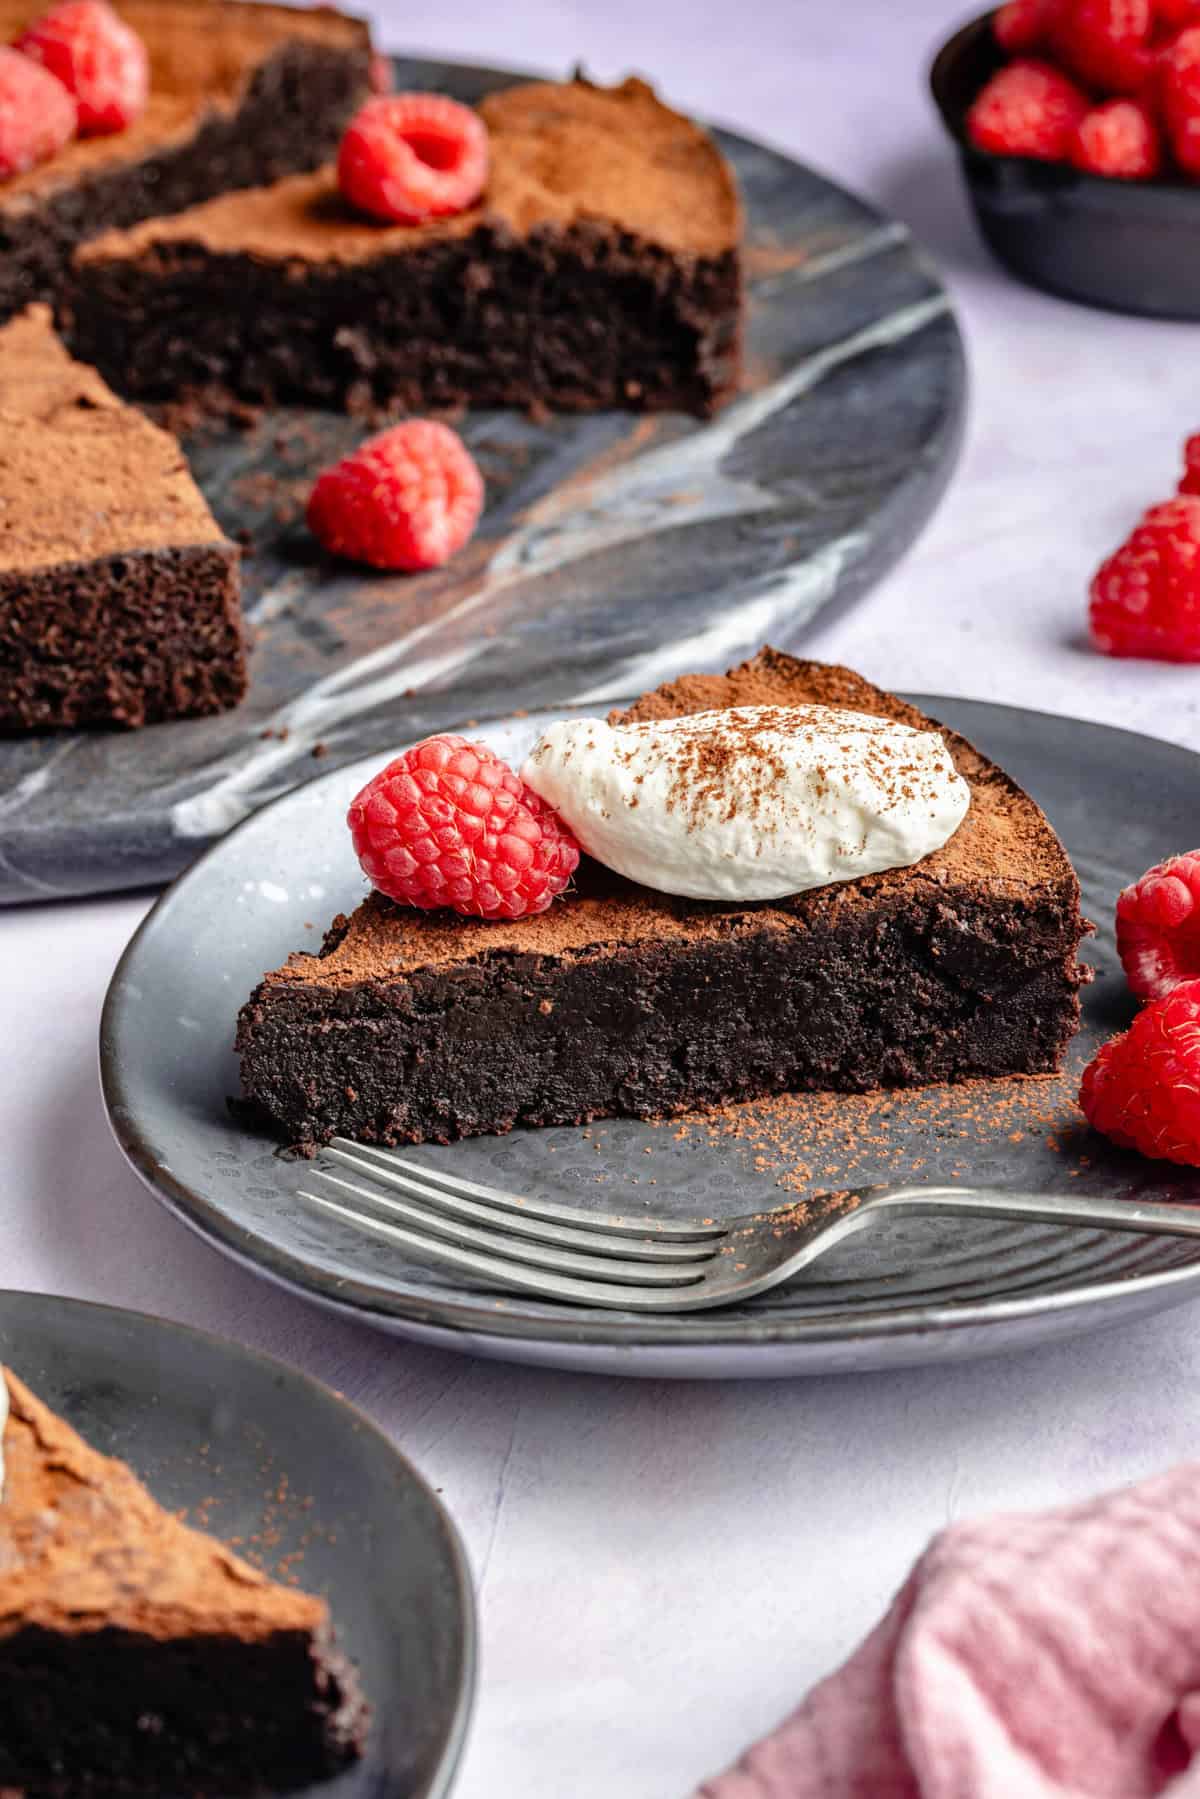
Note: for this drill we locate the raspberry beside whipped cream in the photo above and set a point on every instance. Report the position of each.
(751, 803)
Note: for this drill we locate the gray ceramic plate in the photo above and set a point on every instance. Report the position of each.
(903, 1293)
(252, 1450)
(615, 550)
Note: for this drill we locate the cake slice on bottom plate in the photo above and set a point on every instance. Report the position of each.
(138, 1656)
(120, 595)
(415, 1026)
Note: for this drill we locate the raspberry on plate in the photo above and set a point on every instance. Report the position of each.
(1190, 479)
(37, 114)
(1173, 15)
(100, 59)
(1145, 600)
(449, 824)
(1181, 98)
(411, 157)
(1106, 43)
(1142, 1090)
(1120, 140)
(407, 499)
(1027, 109)
(1158, 927)
(1023, 25)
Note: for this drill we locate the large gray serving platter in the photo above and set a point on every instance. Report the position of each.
(616, 551)
(259, 1454)
(902, 1293)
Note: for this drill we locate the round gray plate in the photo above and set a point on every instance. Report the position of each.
(616, 550)
(904, 1292)
(256, 1452)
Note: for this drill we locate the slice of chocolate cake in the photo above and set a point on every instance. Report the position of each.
(240, 93)
(600, 268)
(422, 1026)
(138, 1656)
(119, 593)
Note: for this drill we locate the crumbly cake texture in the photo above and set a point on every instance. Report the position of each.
(140, 1656)
(413, 1027)
(239, 93)
(119, 593)
(600, 268)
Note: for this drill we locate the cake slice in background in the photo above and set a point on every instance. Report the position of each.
(601, 268)
(139, 1656)
(240, 93)
(119, 592)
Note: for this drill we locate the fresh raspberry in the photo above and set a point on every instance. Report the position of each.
(1024, 25)
(1143, 1089)
(1027, 109)
(1158, 927)
(1145, 599)
(408, 498)
(1190, 480)
(1173, 15)
(37, 114)
(1118, 139)
(411, 157)
(1180, 86)
(95, 55)
(1106, 43)
(449, 824)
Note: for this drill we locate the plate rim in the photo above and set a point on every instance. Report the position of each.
(453, 1742)
(492, 1320)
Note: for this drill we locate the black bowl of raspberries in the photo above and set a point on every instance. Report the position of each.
(1078, 125)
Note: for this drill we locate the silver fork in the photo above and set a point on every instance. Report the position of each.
(659, 1264)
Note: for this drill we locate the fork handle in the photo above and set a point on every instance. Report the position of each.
(1100, 1214)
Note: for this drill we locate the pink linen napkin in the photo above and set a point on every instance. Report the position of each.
(1048, 1656)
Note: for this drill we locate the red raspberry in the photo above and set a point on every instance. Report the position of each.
(99, 58)
(1146, 598)
(1143, 1089)
(1106, 43)
(1158, 927)
(1024, 25)
(449, 824)
(37, 114)
(1028, 109)
(1172, 15)
(1180, 81)
(1118, 139)
(411, 157)
(1190, 481)
(408, 498)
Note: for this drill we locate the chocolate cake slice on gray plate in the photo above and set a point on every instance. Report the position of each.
(239, 93)
(412, 1026)
(600, 268)
(139, 1656)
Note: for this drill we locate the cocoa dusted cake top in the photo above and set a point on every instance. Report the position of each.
(1004, 845)
(203, 56)
(84, 1547)
(562, 154)
(81, 474)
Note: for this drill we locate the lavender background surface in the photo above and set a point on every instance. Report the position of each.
(664, 1569)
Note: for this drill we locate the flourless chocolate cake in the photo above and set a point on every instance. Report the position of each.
(239, 94)
(413, 1026)
(119, 593)
(138, 1656)
(600, 268)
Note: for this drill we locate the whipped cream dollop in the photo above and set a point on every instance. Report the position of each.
(752, 803)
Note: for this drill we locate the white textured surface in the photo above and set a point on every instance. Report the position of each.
(664, 1568)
